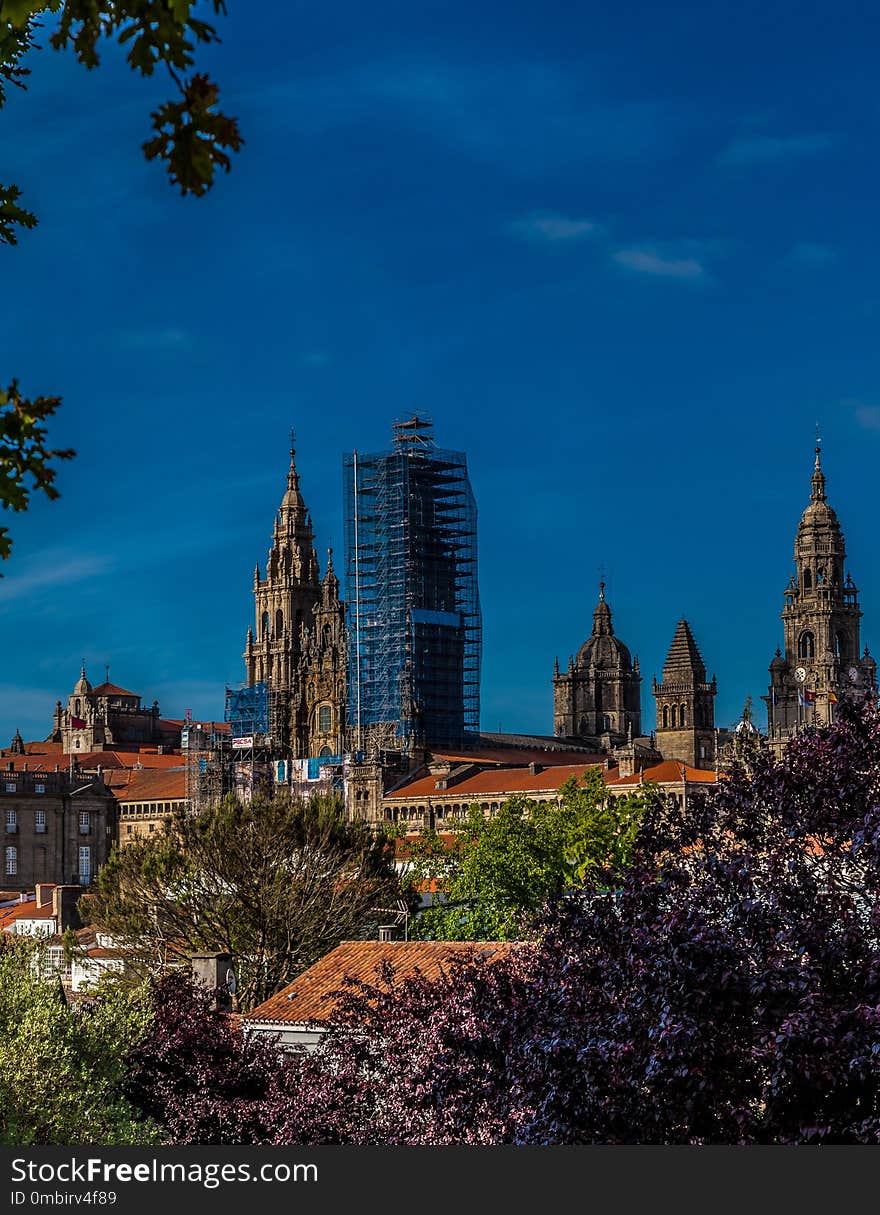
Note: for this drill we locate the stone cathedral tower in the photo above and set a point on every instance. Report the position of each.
(297, 647)
(600, 693)
(822, 662)
(286, 598)
(685, 704)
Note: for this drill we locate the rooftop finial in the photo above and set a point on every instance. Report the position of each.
(818, 478)
(601, 592)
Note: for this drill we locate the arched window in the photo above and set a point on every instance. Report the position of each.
(666, 717)
(326, 636)
(682, 715)
(265, 624)
(841, 645)
(325, 719)
(76, 707)
(606, 722)
(806, 645)
(673, 717)
(325, 751)
(279, 623)
(807, 580)
(583, 730)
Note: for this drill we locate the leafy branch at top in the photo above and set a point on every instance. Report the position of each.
(25, 458)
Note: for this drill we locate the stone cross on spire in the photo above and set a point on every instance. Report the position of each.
(818, 479)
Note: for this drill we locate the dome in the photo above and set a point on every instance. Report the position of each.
(819, 514)
(83, 687)
(602, 648)
(778, 663)
(604, 651)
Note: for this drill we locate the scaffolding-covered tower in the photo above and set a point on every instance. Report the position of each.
(415, 627)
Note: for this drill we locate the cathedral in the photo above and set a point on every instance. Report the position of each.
(297, 647)
(823, 662)
(598, 698)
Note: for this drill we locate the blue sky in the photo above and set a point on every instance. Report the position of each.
(625, 256)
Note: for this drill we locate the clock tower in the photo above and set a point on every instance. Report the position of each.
(823, 663)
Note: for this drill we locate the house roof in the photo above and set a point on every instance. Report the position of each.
(310, 997)
(113, 689)
(670, 771)
(501, 781)
(25, 911)
(148, 784)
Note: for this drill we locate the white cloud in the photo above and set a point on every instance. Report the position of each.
(553, 228)
(748, 150)
(652, 262)
(51, 569)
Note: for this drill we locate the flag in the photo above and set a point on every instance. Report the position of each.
(809, 696)
(801, 700)
(832, 699)
(774, 697)
(77, 723)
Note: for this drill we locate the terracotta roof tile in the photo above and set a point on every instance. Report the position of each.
(310, 996)
(667, 772)
(112, 689)
(148, 784)
(498, 781)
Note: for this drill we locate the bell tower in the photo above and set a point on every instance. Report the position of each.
(685, 704)
(285, 600)
(822, 662)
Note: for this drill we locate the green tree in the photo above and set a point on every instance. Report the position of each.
(62, 1069)
(493, 879)
(188, 133)
(275, 883)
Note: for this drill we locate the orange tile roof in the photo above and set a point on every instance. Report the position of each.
(310, 996)
(501, 781)
(112, 689)
(511, 757)
(667, 772)
(148, 784)
(25, 911)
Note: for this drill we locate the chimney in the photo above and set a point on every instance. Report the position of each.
(534, 768)
(213, 972)
(43, 893)
(64, 900)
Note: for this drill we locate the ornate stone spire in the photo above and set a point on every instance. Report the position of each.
(818, 478)
(292, 500)
(602, 626)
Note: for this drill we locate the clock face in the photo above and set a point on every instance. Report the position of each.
(853, 674)
(800, 674)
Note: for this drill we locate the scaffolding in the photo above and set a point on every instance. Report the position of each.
(411, 570)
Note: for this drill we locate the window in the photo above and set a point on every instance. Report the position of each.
(806, 645)
(11, 817)
(39, 788)
(10, 788)
(808, 580)
(265, 624)
(673, 717)
(85, 824)
(128, 829)
(39, 820)
(85, 865)
(279, 623)
(11, 861)
(325, 719)
(666, 717)
(682, 716)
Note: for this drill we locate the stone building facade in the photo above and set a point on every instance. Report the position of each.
(298, 645)
(57, 827)
(106, 718)
(685, 701)
(822, 662)
(599, 696)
